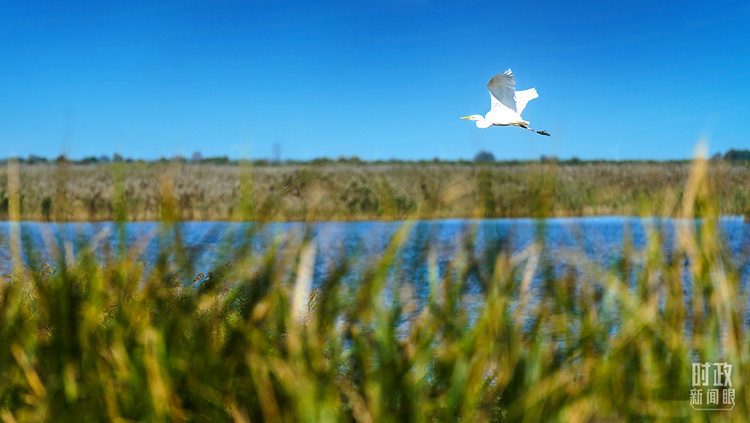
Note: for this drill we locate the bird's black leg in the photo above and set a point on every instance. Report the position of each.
(534, 130)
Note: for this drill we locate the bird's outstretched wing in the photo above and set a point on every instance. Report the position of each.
(502, 89)
(523, 97)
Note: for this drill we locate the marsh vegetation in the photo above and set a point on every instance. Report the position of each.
(92, 338)
(362, 191)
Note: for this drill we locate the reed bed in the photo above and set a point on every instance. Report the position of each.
(362, 191)
(87, 338)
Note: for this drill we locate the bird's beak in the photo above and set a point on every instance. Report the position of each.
(467, 117)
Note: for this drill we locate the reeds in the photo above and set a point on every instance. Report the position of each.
(75, 192)
(87, 338)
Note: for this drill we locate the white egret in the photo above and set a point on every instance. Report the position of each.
(507, 104)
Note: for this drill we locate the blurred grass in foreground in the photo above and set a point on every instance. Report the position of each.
(124, 341)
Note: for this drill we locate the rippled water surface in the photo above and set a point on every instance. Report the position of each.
(568, 241)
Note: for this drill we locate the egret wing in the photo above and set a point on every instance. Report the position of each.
(523, 97)
(502, 89)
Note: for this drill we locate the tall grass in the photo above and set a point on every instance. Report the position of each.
(90, 340)
(64, 191)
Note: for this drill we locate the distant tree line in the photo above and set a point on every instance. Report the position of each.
(118, 158)
(737, 155)
(482, 156)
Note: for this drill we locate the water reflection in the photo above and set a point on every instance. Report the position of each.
(568, 243)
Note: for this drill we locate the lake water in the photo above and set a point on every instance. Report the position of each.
(596, 240)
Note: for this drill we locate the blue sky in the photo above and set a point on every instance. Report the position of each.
(378, 79)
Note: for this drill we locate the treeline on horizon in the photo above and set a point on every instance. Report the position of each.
(732, 155)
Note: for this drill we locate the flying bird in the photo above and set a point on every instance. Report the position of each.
(507, 104)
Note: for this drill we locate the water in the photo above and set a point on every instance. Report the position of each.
(568, 241)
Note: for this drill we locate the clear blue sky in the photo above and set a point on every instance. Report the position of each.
(378, 79)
